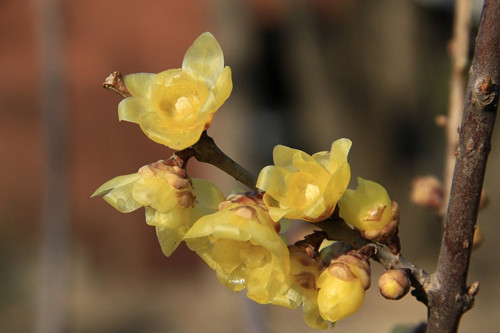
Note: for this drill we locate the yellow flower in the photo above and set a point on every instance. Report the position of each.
(305, 267)
(342, 287)
(300, 186)
(164, 189)
(368, 208)
(241, 243)
(175, 106)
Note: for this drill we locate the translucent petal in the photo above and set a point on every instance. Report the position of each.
(156, 193)
(223, 88)
(208, 196)
(323, 159)
(272, 180)
(338, 153)
(177, 138)
(139, 84)
(133, 109)
(305, 163)
(170, 228)
(205, 57)
(235, 280)
(264, 234)
(312, 316)
(202, 228)
(114, 183)
(229, 227)
(277, 213)
(319, 210)
(283, 157)
(118, 193)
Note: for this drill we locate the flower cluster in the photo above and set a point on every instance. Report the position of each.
(239, 236)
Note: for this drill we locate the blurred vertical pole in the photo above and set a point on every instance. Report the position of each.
(460, 45)
(51, 304)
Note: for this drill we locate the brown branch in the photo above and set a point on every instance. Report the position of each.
(205, 150)
(448, 294)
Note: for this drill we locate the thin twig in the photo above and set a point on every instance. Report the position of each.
(449, 296)
(205, 150)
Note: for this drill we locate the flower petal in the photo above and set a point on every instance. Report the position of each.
(118, 193)
(170, 228)
(223, 88)
(134, 109)
(208, 196)
(156, 193)
(205, 58)
(139, 84)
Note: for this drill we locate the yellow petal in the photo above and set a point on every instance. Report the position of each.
(338, 153)
(170, 228)
(118, 193)
(205, 58)
(139, 83)
(283, 156)
(114, 183)
(312, 316)
(223, 88)
(156, 193)
(208, 196)
(134, 109)
(338, 183)
(272, 180)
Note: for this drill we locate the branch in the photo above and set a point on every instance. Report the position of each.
(448, 294)
(205, 150)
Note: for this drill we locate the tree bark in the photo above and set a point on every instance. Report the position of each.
(448, 294)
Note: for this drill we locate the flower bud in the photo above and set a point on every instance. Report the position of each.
(478, 237)
(394, 284)
(342, 287)
(427, 192)
(369, 209)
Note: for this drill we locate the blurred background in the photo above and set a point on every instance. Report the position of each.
(305, 73)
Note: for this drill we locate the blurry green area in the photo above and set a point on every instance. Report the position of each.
(305, 73)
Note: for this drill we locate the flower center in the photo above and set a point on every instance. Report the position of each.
(301, 190)
(181, 99)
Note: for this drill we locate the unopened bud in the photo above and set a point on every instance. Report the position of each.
(342, 286)
(394, 284)
(478, 238)
(427, 192)
(368, 208)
